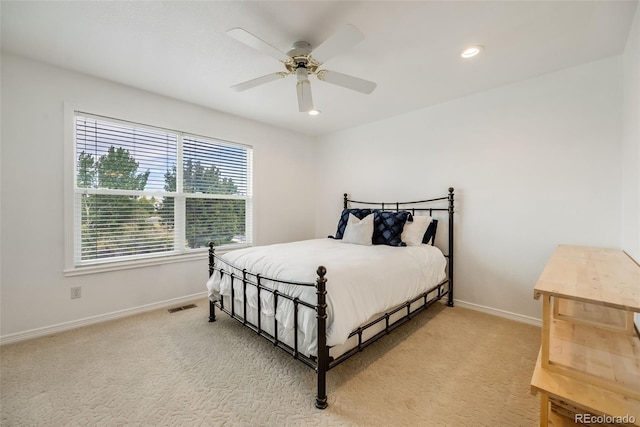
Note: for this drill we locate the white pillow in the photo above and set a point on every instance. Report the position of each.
(358, 231)
(413, 232)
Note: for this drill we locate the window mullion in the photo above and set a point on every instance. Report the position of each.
(180, 210)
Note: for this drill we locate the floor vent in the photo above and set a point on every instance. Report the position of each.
(184, 307)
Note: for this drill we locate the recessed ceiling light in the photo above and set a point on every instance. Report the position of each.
(314, 112)
(471, 51)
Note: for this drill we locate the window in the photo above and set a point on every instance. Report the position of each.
(143, 192)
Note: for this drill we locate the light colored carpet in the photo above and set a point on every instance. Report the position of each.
(448, 366)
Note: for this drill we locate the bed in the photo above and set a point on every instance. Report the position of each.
(324, 300)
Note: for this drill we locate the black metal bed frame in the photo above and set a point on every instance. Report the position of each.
(323, 362)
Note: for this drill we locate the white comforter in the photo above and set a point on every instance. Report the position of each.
(361, 281)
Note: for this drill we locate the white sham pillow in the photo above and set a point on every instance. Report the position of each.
(359, 231)
(413, 232)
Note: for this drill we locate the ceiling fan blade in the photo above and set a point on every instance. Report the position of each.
(257, 43)
(341, 41)
(347, 81)
(258, 81)
(305, 101)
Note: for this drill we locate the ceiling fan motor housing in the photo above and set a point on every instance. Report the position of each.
(301, 58)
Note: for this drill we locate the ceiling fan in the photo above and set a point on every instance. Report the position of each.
(302, 60)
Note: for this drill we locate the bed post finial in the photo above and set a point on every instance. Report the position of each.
(346, 200)
(321, 272)
(323, 350)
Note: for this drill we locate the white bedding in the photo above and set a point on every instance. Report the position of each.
(361, 282)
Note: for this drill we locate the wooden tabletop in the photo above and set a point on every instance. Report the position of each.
(598, 275)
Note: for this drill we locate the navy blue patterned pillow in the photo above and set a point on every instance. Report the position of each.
(387, 227)
(342, 222)
(430, 234)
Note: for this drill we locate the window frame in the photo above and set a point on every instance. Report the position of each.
(179, 254)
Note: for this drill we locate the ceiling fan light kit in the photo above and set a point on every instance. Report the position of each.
(299, 61)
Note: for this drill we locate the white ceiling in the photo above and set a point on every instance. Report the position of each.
(411, 49)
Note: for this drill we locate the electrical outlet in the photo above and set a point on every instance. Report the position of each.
(76, 292)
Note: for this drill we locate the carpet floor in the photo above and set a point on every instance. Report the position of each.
(446, 367)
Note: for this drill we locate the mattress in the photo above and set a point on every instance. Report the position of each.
(361, 282)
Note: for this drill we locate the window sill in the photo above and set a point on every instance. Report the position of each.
(147, 262)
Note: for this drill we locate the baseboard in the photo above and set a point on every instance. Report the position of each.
(500, 313)
(61, 327)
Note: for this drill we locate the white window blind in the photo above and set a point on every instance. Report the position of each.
(142, 191)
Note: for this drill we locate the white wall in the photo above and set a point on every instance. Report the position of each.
(631, 146)
(534, 164)
(35, 295)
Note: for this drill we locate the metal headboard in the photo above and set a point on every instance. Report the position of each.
(411, 207)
